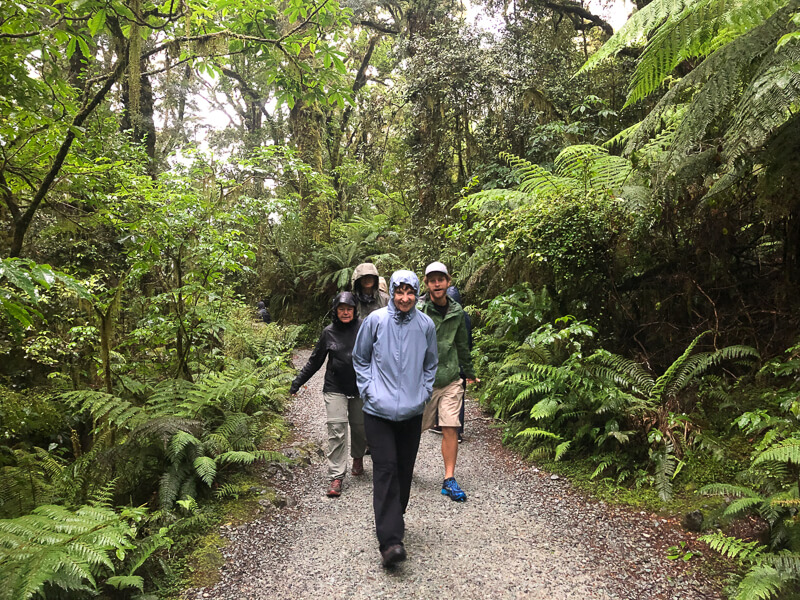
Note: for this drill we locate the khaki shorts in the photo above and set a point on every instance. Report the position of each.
(444, 408)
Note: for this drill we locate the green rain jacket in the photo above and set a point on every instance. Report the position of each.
(452, 342)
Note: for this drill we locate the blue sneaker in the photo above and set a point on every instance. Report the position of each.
(450, 488)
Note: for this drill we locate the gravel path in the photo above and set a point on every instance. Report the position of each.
(523, 533)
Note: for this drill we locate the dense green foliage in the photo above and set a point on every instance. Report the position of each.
(620, 211)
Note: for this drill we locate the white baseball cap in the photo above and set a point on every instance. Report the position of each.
(436, 267)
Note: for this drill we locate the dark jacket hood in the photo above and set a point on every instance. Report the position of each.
(343, 298)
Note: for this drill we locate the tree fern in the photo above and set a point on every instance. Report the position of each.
(635, 30)
(536, 179)
(698, 30)
(771, 99)
(593, 165)
(679, 30)
(579, 169)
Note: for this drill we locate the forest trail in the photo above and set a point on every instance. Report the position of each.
(522, 533)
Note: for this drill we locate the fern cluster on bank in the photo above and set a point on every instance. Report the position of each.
(163, 444)
(769, 488)
(563, 396)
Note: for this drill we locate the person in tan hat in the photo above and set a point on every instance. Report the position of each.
(365, 285)
(452, 342)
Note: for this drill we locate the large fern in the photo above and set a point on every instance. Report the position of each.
(57, 547)
(652, 399)
(767, 576)
(580, 169)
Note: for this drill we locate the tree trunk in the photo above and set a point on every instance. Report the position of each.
(305, 126)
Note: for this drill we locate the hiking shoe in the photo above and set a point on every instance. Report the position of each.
(335, 489)
(358, 467)
(393, 555)
(451, 488)
(460, 437)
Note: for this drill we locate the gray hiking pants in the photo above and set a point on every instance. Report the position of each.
(343, 411)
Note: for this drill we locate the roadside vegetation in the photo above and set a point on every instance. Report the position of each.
(620, 212)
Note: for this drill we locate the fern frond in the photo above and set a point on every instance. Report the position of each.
(235, 428)
(771, 99)
(534, 432)
(206, 469)
(743, 506)
(145, 548)
(636, 29)
(118, 412)
(179, 442)
(171, 482)
(167, 395)
(562, 449)
(63, 548)
(536, 179)
(122, 582)
(230, 490)
(593, 166)
(726, 489)
(762, 582)
(697, 31)
(786, 451)
(105, 495)
(794, 502)
(163, 428)
(621, 371)
(270, 456)
(545, 409)
(734, 547)
(237, 457)
(785, 562)
(665, 465)
(719, 79)
(656, 394)
(604, 464)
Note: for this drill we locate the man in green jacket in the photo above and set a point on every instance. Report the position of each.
(453, 345)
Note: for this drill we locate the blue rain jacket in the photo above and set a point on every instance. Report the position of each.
(395, 358)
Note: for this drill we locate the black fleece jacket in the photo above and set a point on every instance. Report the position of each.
(336, 342)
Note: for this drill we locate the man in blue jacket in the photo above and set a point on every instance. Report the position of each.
(395, 360)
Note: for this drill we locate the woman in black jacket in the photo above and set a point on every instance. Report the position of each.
(342, 402)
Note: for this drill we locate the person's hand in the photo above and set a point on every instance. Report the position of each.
(473, 380)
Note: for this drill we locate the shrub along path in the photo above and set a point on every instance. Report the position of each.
(522, 534)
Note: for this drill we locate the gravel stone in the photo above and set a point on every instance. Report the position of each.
(522, 534)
